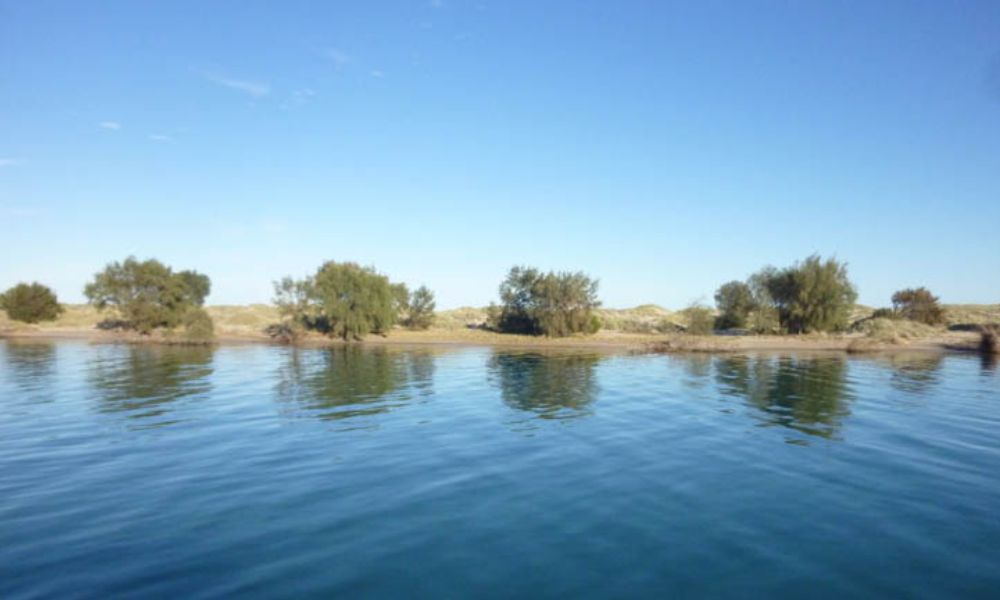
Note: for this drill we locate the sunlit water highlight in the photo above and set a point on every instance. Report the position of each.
(151, 471)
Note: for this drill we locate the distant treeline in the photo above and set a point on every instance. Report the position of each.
(350, 301)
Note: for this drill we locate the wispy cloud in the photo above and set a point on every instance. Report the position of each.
(160, 137)
(339, 58)
(110, 125)
(11, 162)
(256, 89)
(377, 74)
(436, 4)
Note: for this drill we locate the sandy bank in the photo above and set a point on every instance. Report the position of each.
(609, 340)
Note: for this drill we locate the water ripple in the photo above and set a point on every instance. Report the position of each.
(264, 471)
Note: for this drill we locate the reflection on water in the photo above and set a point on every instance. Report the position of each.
(31, 366)
(350, 381)
(556, 386)
(488, 454)
(989, 363)
(807, 394)
(698, 368)
(144, 380)
(915, 373)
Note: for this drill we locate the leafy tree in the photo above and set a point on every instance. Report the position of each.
(918, 304)
(30, 303)
(735, 301)
(343, 300)
(813, 295)
(401, 297)
(552, 304)
(147, 294)
(292, 297)
(197, 286)
(764, 317)
(420, 309)
(353, 300)
(517, 299)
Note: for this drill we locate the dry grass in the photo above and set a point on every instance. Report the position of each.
(972, 314)
(243, 320)
(895, 330)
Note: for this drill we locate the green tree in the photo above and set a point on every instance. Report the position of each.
(147, 294)
(354, 300)
(420, 309)
(30, 303)
(813, 295)
(197, 286)
(401, 298)
(918, 304)
(517, 300)
(343, 300)
(735, 302)
(764, 317)
(551, 304)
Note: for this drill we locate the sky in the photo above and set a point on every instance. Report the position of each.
(661, 147)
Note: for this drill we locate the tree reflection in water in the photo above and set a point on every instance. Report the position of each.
(31, 366)
(807, 394)
(352, 381)
(551, 386)
(915, 373)
(989, 363)
(146, 380)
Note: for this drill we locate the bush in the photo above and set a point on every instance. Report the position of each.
(919, 305)
(198, 326)
(551, 304)
(30, 303)
(420, 309)
(700, 320)
(813, 295)
(735, 301)
(147, 294)
(343, 300)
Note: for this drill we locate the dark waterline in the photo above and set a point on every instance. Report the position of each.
(266, 471)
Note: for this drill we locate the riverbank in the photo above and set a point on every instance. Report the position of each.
(854, 343)
(638, 330)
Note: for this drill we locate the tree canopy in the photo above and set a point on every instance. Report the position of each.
(344, 300)
(735, 302)
(147, 294)
(30, 303)
(551, 304)
(918, 304)
(812, 295)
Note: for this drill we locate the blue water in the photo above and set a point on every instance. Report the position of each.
(269, 471)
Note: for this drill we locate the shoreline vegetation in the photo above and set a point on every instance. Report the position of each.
(636, 329)
(810, 305)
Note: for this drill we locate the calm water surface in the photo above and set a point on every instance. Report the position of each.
(265, 471)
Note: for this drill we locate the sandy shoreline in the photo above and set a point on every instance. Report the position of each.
(948, 342)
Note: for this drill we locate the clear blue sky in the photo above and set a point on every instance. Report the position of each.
(661, 147)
